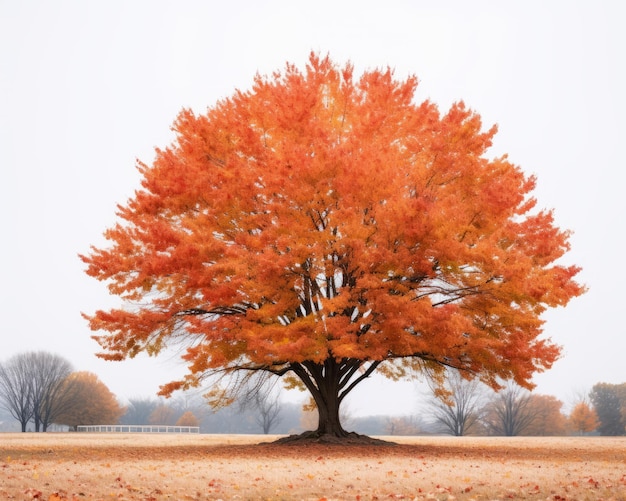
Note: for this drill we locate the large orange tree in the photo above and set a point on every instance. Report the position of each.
(324, 226)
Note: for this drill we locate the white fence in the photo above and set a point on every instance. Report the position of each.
(136, 428)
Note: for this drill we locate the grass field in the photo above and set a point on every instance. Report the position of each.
(81, 466)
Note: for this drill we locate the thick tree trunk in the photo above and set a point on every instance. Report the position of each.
(328, 384)
(328, 398)
(329, 422)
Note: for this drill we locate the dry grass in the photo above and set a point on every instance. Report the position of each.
(201, 467)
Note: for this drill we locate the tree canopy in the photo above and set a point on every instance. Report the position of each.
(583, 418)
(31, 387)
(87, 401)
(324, 226)
(609, 402)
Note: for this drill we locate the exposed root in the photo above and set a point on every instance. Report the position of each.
(346, 438)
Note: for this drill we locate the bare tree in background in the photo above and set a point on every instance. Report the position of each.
(268, 407)
(457, 407)
(509, 412)
(48, 372)
(16, 389)
(32, 387)
(138, 410)
(163, 414)
(258, 391)
(194, 402)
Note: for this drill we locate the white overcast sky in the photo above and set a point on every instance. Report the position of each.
(86, 87)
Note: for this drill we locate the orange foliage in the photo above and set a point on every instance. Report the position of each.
(188, 419)
(546, 417)
(320, 220)
(87, 400)
(583, 418)
(163, 415)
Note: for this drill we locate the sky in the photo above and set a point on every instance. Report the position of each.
(86, 88)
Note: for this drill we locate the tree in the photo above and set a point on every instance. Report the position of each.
(138, 411)
(48, 373)
(322, 227)
(31, 387)
(16, 389)
(87, 400)
(609, 407)
(457, 409)
(509, 412)
(258, 393)
(188, 419)
(583, 419)
(268, 410)
(163, 415)
(547, 418)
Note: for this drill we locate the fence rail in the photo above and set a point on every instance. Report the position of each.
(135, 428)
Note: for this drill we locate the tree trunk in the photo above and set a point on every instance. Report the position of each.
(329, 422)
(328, 383)
(324, 381)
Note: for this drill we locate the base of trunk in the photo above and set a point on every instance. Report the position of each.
(327, 438)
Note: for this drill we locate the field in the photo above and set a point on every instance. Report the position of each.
(81, 466)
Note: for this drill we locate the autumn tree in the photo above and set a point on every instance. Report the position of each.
(583, 418)
(609, 402)
(547, 418)
(86, 401)
(188, 419)
(163, 415)
(457, 406)
(323, 226)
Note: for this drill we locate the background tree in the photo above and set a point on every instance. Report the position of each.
(16, 389)
(193, 402)
(138, 411)
(322, 226)
(268, 407)
(87, 400)
(620, 390)
(188, 419)
(509, 413)
(258, 392)
(583, 418)
(457, 408)
(547, 418)
(609, 405)
(163, 415)
(31, 386)
(48, 373)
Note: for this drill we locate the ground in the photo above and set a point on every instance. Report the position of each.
(81, 466)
